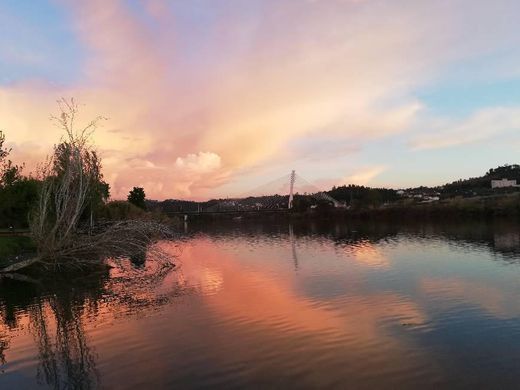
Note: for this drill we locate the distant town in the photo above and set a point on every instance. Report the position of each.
(500, 181)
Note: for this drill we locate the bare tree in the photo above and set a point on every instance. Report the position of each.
(70, 177)
(67, 179)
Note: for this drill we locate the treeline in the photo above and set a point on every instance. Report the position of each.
(357, 196)
(351, 196)
(506, 206)
(481, 185)
(16, 201)
(19, 192)
(250, 203)
(172, 205)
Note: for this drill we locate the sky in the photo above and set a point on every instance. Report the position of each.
(214, 98)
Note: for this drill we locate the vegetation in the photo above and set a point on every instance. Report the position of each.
(468, 198)
(16, 202)
(119, 210)
(352, 196)
(65, 218)
(137, 197)
(361, 196)
(17, 193)
(72, 186)
(14, 246)
(481, 185)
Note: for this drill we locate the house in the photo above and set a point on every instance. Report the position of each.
(503, 183)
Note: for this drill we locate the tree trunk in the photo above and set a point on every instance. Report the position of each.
(20, 265)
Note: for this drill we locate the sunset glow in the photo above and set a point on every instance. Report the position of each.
(208, 99)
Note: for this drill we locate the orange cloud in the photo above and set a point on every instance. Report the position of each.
(365, 176)
(242, 90)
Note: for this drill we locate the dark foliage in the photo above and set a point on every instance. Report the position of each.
(481, 185)
(361, 196)
(120, 210)
(137, 197)
(17, 200)
(18, 194)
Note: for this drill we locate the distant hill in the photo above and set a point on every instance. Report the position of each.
(482, 184)
(352, 195)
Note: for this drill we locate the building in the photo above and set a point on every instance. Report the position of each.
(503, 183)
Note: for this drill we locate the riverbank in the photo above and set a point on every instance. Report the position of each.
(14, 233)
(505, 206)
(13, 248)
(490, 207)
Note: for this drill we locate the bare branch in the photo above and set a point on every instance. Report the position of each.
(69, 178)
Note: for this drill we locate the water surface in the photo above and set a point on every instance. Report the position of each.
(277, 305)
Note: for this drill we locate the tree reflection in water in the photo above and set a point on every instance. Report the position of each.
(58, 307)
(3, 346)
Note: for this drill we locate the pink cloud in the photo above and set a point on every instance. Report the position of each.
(186, 119)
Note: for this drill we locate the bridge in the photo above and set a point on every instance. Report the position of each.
(276, 196)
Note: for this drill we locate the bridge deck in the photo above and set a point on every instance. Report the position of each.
(278, 211)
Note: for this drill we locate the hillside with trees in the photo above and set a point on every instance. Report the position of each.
(358, 196)
(481, 185)
(353, 197)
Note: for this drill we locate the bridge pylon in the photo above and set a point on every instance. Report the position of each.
(291, 189)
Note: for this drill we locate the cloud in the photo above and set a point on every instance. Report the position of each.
(203, 162)
(364, 176)
(247, 84)
(481, 126)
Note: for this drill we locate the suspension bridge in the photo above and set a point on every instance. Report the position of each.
(279, 195)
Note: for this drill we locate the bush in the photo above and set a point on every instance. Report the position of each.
(120, 210)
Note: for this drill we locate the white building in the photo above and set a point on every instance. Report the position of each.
(503, 183)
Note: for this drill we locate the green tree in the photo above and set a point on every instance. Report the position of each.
(98, 190)
(18, 194)
(17, 200)
(3, 152)
(9, 172)
(137, 197)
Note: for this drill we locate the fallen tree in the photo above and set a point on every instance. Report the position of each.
(72, 184)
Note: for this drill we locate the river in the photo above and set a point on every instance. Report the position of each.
(279, 305)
